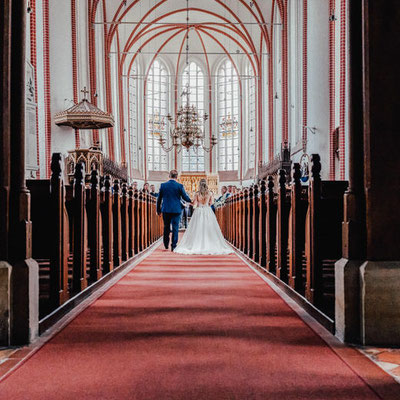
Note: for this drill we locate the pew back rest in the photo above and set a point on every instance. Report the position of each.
(41, 223)
(331, 217)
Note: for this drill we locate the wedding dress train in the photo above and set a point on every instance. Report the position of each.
(203, 235)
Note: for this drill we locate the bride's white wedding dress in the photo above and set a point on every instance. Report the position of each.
(203, 235)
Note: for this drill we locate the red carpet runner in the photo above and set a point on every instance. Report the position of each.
(184, 327)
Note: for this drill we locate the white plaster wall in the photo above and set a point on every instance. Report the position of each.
(40, 86)
(318, 81)
(62, 138)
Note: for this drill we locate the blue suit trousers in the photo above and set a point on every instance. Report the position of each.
(171, 219)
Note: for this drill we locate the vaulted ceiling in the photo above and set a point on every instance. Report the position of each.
(141, 29)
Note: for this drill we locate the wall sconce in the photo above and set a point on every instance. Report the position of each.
(332, 17)
(312, 129)
(276, 96)
(29, 8)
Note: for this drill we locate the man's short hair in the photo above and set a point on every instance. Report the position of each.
(173, 174)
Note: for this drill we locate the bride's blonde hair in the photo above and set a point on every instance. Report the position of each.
(203, 188)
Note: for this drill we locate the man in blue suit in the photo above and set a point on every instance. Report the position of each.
(169, 204)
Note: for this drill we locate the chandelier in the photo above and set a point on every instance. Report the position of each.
(188, 131)
(229, 126)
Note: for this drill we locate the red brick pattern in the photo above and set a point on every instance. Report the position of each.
(305, 73)
(332, 94)
(47, 93)
(111, 152)
(33, 44)
(285, 101)
(74, 65)
(342, 111)
(92, 58)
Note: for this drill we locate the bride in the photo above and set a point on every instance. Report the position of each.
(203, 235)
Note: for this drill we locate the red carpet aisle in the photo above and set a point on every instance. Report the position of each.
(183, 327)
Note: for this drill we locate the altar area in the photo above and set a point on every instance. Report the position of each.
(191, 182)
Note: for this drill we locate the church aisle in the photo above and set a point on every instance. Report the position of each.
(185, 327)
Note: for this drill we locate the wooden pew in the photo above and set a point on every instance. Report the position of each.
(107, 226)
(116, 212)
(250, 221)
(256, 225)
(94, 226)
(323, 237)
(79, 278)
(297, 222)
(271, 226)
(263, 225)
(282, 225)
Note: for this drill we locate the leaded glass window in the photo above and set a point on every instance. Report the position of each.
(228, 117)
(157, 110)
(251, 115)
(193, 81)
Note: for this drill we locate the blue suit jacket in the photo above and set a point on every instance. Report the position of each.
(169, 197)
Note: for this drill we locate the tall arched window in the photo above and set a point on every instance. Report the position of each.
(193, 81)
(228, 117)
(251, 115)
(133, 118)
(157, 110)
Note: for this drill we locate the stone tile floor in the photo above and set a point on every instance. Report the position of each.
(387, 359)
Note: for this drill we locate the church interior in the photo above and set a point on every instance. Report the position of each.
(288, 110)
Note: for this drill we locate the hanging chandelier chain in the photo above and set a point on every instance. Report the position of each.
(188, 125)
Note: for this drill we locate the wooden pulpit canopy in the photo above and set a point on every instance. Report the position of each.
(84, 115)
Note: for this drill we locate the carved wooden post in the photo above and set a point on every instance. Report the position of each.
(140, 221)
(149, 213)
(250, 220)
(117, 248)
(271, 226)
(296, 233)
(124, 223)
(131, 222)
(256, 225)
(145, 226)
(136, 232)
(263, 225)
(94, 227)
(79, 269)
(107, 226)
(59, 236)
(314, 287)
(242, 220)
(232, 219)
(245, 221)
(282, 229)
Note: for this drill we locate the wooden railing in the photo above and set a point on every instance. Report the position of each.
(291, 231)
(82, 233)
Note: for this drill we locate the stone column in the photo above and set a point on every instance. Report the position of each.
(16, 232)
(347, 289)
(368, 277)
(380, 273)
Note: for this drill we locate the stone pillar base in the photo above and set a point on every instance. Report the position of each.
(25, 302)
(380, 303)
(5, 303)
(347, 300)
